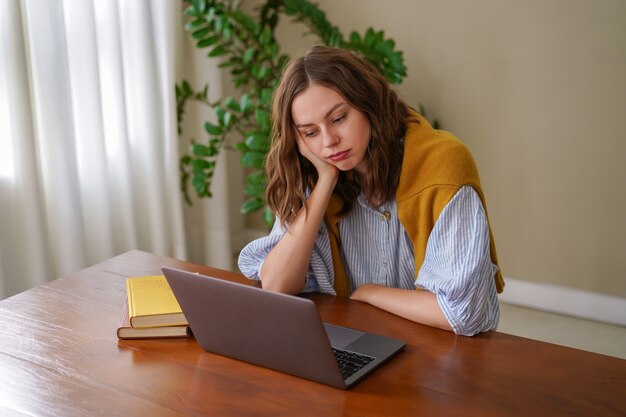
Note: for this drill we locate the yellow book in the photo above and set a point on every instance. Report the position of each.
(125, 331)
(151, 303)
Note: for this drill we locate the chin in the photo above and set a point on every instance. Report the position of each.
(344, 169)
(345, 166)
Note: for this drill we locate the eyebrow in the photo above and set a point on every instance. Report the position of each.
(328, 113)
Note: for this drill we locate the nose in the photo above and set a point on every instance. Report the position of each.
(331, 137)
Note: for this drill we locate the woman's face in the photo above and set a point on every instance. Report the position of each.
(332, 129)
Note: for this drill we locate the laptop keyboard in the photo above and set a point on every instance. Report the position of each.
(350, 362)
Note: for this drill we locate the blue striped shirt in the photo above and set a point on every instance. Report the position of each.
(376, 249)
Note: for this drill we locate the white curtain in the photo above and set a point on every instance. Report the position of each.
(88, 143)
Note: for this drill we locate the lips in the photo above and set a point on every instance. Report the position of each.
(339, 156)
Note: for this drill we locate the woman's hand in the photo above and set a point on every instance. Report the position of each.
(285, 267)
(323, 168)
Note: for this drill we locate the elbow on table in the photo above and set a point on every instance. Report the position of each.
(472, 325)
(469, 317)
(280, 286)
(467, 332)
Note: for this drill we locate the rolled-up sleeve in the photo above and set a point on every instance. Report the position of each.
(457, 266)
(320, 275)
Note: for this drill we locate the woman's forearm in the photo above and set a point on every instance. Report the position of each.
(418, 306)
(285, 267)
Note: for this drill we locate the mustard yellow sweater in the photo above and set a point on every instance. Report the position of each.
(434, 167)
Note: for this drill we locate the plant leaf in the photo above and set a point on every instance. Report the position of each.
(253, 159)
(218, 51)
(254, 190)
(245, 103)
(250, 205)
(263, 119)
(232, 104)
(199, 165)
(257, 141)
(257, 178)
(248, 55)
(201, 33)
(268, 216)
(200, 150)
(242, 147)
(208, 41)
(212, 129)
(199, 5)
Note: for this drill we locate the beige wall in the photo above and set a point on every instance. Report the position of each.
(537, 90)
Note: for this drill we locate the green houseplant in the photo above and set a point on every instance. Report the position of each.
(247, 46)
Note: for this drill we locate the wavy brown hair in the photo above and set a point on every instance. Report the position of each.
(364, 87)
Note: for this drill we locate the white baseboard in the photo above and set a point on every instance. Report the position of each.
(564, 300)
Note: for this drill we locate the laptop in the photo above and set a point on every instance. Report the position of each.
(276, 331)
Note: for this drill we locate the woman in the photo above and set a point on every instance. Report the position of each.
(368, 197)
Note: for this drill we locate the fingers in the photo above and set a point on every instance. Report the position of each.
(323, 168)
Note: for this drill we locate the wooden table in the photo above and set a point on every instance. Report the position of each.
(59, 356)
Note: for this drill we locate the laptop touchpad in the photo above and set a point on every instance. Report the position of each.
(341, 336)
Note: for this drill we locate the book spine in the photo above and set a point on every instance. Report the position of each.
(129, 301)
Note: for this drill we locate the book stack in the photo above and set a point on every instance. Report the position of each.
(151, 310)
